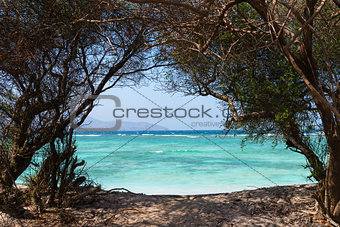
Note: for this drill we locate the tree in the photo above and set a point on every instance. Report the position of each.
(276, 65)
(51, 52)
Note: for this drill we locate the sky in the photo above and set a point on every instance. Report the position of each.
(147, 104)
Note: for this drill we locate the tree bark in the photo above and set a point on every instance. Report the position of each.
(332, 187)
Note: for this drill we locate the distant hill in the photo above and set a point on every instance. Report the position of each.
(91, 124)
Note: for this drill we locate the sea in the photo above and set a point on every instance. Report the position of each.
(187, 162)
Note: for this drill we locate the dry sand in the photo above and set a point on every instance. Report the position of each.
(276, 206)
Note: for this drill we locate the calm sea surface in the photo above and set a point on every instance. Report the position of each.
(186, 162)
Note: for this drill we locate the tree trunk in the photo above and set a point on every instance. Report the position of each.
(332, 183)
(328, 193)
(6, 181)
(13, 166)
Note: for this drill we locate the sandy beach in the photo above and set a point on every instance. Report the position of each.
(276, 206)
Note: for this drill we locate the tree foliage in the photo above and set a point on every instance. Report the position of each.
(274, 63)
(51, 53)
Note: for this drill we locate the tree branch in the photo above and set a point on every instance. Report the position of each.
(178, 4)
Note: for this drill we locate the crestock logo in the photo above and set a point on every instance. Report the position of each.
(77, 103)
(198, 113)
(165, 112)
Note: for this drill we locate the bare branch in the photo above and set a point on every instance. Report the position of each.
(179, 4)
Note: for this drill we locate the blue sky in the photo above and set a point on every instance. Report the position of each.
(149, 98)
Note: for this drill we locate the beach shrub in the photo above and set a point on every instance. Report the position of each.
(58, 175)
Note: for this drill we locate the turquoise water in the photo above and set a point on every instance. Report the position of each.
(186, 162)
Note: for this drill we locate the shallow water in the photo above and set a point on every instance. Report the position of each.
(187, 162)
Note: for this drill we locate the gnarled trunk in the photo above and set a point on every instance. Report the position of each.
(332, 182)
(328, 193)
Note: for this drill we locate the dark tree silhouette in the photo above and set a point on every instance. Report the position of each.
(51, 52)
